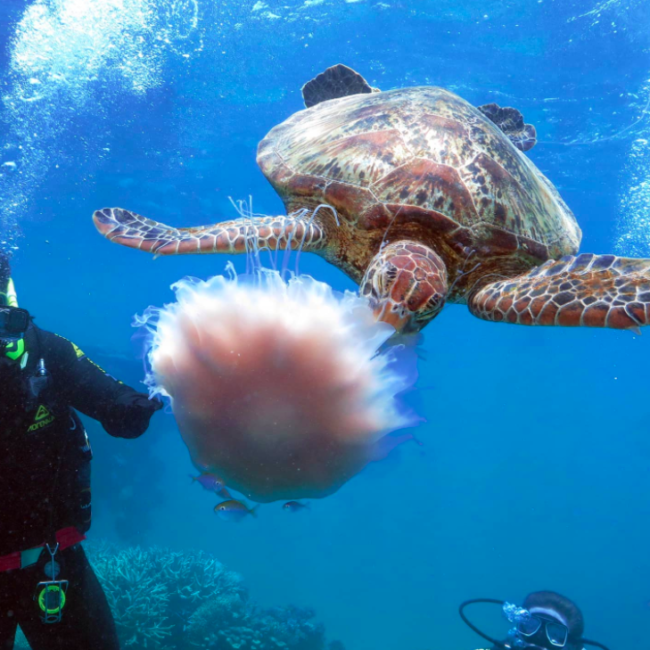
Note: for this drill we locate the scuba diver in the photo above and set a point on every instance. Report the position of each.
(545, 621)
(47, 585)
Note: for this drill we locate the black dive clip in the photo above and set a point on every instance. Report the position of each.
(40, 380)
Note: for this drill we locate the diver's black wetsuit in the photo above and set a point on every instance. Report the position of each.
(45, 485)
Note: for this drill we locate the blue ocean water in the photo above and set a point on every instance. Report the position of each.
(534, 469)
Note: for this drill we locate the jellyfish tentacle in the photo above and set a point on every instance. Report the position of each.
(236, 236)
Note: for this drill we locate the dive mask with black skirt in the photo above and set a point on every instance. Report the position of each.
(529, 630)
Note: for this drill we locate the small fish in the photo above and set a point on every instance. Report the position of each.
(233, 510)
(295, 506)
(224, 494)
(209, 482)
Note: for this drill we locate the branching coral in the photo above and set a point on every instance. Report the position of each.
(153, 592)
(236, 624)
(166, 600)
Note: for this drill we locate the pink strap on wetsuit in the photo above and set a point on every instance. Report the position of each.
(66, 537)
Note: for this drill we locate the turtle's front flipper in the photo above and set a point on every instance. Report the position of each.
(238, 236)
(588, 291)
(511, 122)
(406, 283)
(337, 81)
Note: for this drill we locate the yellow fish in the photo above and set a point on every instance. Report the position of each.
(233, 510)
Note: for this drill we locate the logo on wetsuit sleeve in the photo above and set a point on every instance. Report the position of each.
(42, 418)
(77, 351)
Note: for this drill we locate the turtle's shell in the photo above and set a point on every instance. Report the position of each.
(427, 164)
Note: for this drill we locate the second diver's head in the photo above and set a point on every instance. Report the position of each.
(555, 622)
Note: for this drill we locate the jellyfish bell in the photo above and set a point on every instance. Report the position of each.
(284, 388)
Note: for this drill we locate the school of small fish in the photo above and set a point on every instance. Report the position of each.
(232, 509)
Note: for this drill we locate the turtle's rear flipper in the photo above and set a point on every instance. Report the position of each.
(511, 122)
(337, 81)
(587, 291)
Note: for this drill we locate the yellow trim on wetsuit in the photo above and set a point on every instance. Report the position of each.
(16, 349)
(11, 297)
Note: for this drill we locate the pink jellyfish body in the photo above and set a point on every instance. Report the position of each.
(279, 387)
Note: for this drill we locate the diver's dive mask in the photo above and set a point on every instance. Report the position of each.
(14, 322)
(529, 629)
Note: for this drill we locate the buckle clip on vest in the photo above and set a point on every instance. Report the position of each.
(50, 595)
(39, 381)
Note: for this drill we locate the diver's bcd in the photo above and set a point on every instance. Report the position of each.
(519, 641)
(28, 382)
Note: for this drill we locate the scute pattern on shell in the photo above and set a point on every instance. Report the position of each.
(422, 147)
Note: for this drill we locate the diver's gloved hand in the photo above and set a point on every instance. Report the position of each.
(131, 414)
(140, 401)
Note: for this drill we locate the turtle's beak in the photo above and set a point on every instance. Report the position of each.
(400, 318)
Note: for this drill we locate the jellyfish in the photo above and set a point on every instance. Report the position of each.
(281, 386)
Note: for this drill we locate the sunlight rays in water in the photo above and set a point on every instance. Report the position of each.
(633, 228)
(72, 42)
(75, 59)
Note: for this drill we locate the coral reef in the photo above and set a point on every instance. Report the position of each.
(153, 592)
(170, 600)
(234, 624)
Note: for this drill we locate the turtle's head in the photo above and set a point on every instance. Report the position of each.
(406, 283)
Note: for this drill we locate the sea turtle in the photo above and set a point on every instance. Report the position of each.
(433, 201)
